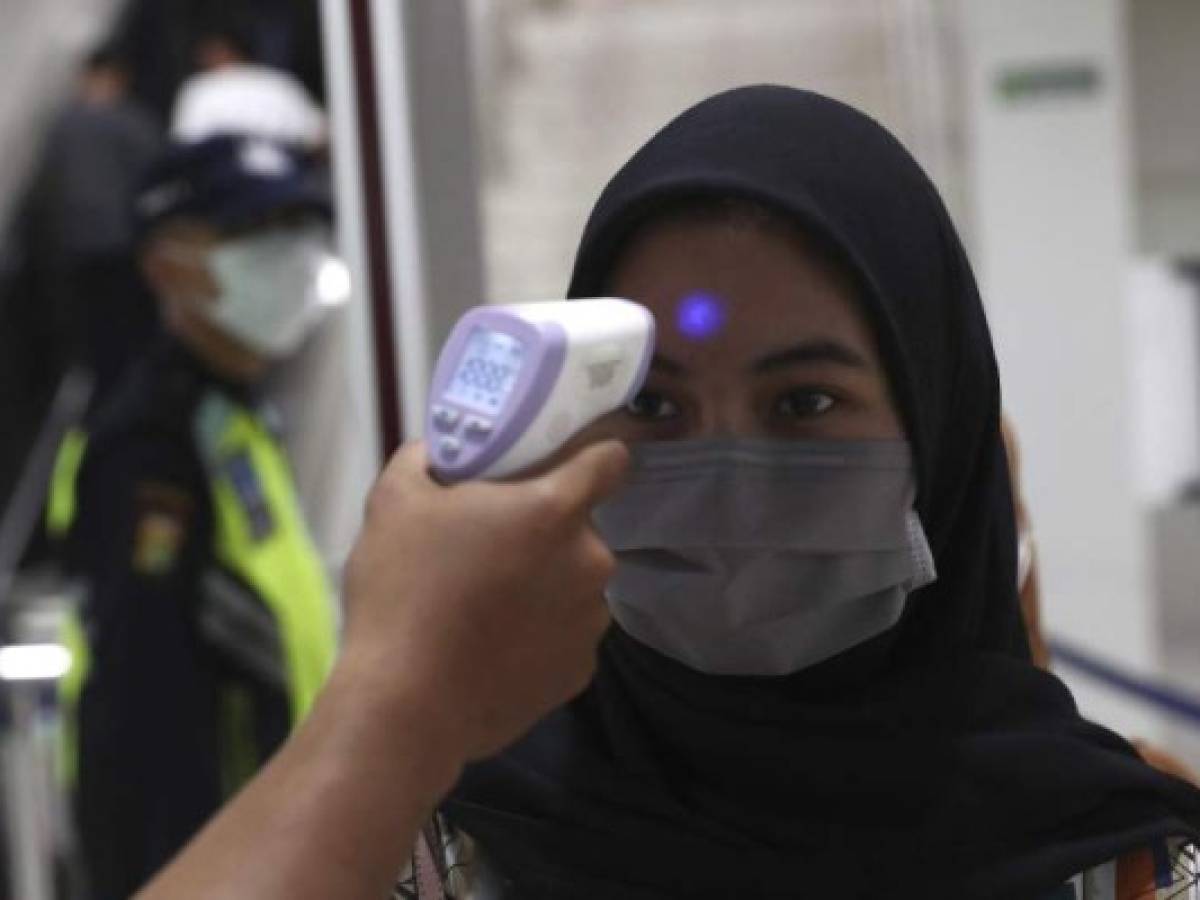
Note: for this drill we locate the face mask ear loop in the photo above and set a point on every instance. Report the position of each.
(924, 566)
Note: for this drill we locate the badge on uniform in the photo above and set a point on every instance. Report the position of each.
(249, 491)
(158, 538)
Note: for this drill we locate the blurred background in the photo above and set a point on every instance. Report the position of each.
(466, 142)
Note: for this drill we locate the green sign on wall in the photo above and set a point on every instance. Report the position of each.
(1044, 81)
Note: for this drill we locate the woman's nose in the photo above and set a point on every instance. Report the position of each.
(725, 417)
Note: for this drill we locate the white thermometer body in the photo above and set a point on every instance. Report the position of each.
(515, 383)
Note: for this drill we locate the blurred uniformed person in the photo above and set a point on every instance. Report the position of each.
(208, 624)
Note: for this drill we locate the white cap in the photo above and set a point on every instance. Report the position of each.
(248, 100)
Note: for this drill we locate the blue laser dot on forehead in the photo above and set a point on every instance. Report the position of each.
(700, 316)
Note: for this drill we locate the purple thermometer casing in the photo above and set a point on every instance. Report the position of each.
(456, 455)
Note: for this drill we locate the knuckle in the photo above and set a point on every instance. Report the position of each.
(354, 561)
(599, 561)
(607, 563)
(383, 497)
(600, 621)
(374, 505)
(590, 622)
(548, 504)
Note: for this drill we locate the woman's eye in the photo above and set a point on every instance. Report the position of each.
(651, 406)
(804, 404)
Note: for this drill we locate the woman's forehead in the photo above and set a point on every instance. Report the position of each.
(726, 295)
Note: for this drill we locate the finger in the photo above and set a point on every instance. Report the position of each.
(408, 466)
(412, 459)
(554, 460)
(590, 475)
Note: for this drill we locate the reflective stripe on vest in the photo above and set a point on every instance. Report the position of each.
(60, 508)
(282, 565)
(60, 516)
(70, 689)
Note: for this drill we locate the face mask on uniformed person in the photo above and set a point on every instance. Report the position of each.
(763, 557)
(276, 285)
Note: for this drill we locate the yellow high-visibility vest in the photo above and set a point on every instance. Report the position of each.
(282, 566)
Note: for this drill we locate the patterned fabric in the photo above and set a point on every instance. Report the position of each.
(446, 865)
(1163, 872)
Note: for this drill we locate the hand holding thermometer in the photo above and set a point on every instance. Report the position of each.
(515, 383)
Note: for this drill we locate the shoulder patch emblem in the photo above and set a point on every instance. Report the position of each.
(162, 521)
(157, 543)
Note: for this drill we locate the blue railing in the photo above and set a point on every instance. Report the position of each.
(1168, 700)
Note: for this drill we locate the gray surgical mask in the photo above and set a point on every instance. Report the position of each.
(763, 557)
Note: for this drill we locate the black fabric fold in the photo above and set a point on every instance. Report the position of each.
(934, 760)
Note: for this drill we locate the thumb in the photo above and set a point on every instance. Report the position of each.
(590, 475)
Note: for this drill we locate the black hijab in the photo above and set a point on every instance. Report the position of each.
(934, 760)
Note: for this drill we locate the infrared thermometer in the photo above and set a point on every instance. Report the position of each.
(515, 383)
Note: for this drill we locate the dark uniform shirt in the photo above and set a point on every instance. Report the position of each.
(186, 685)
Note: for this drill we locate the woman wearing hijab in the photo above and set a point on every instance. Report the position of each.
(792, 702)
(818, 682)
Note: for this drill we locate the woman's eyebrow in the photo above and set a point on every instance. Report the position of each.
(819, 351)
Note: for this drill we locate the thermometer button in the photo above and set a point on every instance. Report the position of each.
(477, 429)
(449, 448)
(445, 418)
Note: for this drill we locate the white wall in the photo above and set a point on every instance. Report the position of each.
(1051, 183)
(1165, 417)
(1165, 69)
(578, 86)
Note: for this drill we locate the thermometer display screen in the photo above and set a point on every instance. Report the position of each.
(488, 371)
